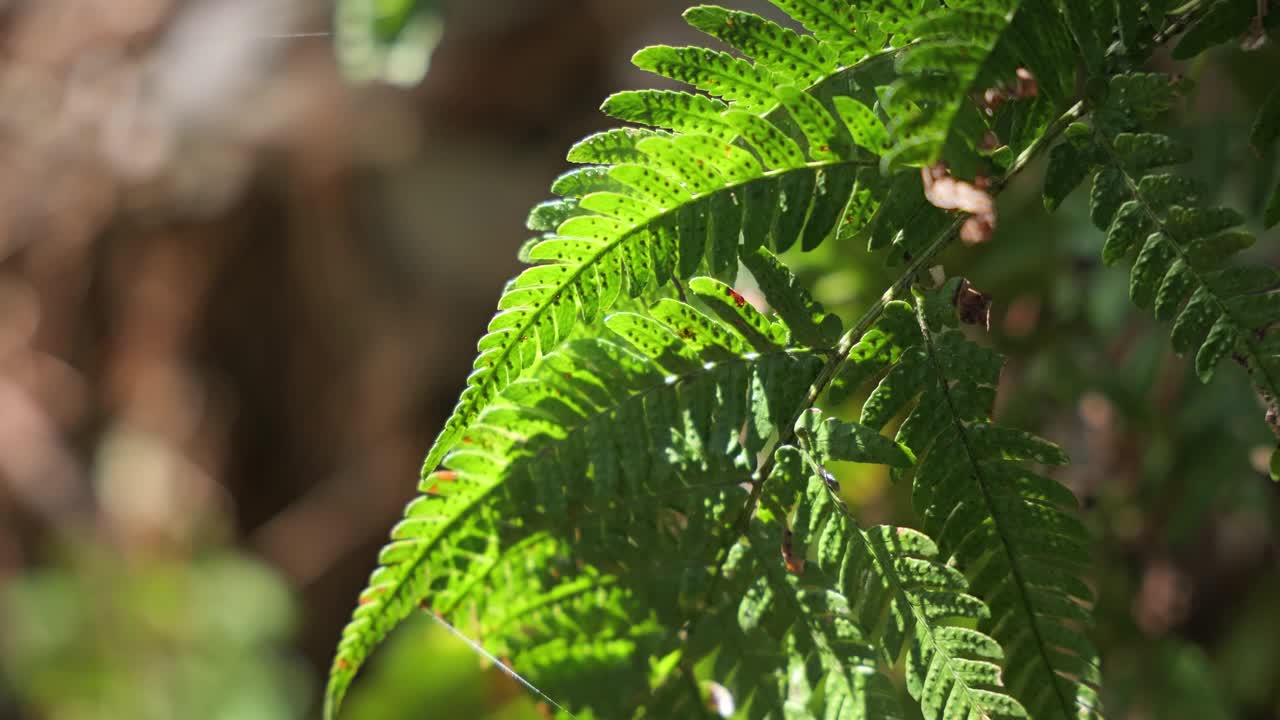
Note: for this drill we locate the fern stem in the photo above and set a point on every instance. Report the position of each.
(1175, 28)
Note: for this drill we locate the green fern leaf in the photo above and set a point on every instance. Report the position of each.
(1129, 227)
(792, 57)
(1040, 39)
(1001, 521)
(1184, 250)
(939, 73)
(613, 447)
(664, 205)
(1147, 151)
(569, 630)
(581, 182)
(1080, 16)
(781, 639)
(547, 216)
(718, 73)
(584, 426)
(731, 307)
(850, 442)
(612, 147)
(881, 346)
(864, 125)
(809, 322)
(572, 633)
(1106, 197)
(826, 139)
(888, 583)
(834, 23)
(1068, 167)
(985, 49)
(671, 109)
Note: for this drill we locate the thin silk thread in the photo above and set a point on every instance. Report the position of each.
(476, 646)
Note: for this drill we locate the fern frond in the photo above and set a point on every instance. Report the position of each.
(601, 436)
(852, 32)
(860, 601)
(717, 73)
(630, 503)
(1002, 522)
(778, 640)
(658, 204)
(788, 641)
(568, 629)
(952, 670)
(1183, 248)
(957, 54)
(792, 57)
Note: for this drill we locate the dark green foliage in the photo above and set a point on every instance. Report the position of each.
(1007, 525)
(1068, 167)
(1266, 129)
(631, 501)
(1225, 20)
(1271, 217)
(1183, 248)
(569, 447)
(984, 50)
(870, 598)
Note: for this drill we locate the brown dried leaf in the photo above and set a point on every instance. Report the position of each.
(946, 192)
(973, 306)
(794, 563)
(1027, 86)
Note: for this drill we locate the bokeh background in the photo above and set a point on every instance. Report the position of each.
(243, 266)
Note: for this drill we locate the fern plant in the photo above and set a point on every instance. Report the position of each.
(630, 504)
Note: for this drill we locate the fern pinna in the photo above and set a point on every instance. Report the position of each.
(631, 503)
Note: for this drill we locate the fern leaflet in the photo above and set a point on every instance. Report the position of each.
(1001, 521)
(1183, 247)
(600, 426)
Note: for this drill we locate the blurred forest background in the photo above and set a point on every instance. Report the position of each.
(241, 280)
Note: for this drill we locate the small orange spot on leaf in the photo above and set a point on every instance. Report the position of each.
(794, 563)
